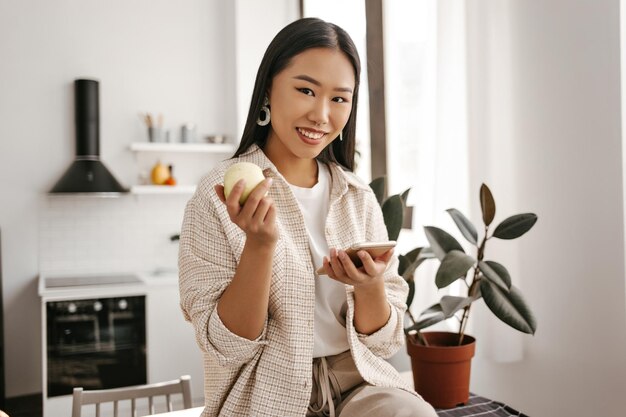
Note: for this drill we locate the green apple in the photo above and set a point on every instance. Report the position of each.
(251, 173)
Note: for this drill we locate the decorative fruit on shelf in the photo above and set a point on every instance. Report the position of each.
(247, 171)
(171, 180)
(160, 173)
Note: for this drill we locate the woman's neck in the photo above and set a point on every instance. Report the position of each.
(297, 171)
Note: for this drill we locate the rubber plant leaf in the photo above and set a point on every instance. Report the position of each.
(412, 255)
(393, 213)
(451, 304)
(435, 308)
(426, 322)
(411, 294)
(441, 242)
(515, 226)
(418, 255)
(496, 273)
(487, 204)
(453, 266)
(465, 225)
(508, 306)
(403, 263)
(405, 195)
(378, 186)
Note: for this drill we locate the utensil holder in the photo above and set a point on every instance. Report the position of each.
(155, 134)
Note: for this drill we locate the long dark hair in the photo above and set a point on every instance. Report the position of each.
(293, 39)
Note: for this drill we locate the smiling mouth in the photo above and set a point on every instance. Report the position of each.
(309, 134)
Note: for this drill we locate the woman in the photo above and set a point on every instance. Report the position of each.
(278, 339)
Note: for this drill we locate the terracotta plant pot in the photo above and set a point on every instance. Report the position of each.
(441, 371)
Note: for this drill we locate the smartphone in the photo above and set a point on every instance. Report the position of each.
(375, 249)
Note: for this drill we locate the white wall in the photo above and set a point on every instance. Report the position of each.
(257, 24)
(550, 142)
(150, 56)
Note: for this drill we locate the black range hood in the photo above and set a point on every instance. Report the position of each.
(87, 174)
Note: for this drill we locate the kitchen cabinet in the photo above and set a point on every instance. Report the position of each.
(170, 346)
(189, 160)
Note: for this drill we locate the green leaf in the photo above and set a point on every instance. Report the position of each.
(478, 294)
(426, 322)
(443, 310)
(427, 253)
(441, 242)
(435, 308)
(508, 306)
(409, 297)
(405, 195)
(413, 254)
(465, 225)
(415, 259)
(496, 273)
(393, 213)
(451, 304)
(487, 204)
(515, 226)
(403, 263)
(378, 186)
(453, 266)
(421, 252)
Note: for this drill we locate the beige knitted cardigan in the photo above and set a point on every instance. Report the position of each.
(271, 376)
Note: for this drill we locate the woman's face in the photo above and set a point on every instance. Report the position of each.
(310, 102)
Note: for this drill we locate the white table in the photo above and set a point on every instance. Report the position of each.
(190, 412)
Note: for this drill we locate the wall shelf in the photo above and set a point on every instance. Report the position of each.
(162, 189)
(226, 148)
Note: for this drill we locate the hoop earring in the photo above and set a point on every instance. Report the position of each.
(264, 110)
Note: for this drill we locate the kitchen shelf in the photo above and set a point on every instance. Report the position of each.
(182, 147)
(162, 189)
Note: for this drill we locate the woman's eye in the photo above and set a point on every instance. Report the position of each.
(340, 100)
(306, 91)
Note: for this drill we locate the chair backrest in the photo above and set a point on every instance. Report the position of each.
(149, 391)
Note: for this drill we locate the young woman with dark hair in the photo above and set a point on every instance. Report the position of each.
(278, 338)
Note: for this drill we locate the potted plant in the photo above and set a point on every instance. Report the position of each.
(441, 361)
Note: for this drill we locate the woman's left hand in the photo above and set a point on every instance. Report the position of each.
(341, 268)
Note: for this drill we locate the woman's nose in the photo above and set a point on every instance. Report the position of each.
(319, 113)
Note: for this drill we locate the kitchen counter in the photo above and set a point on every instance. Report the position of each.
(71, 286)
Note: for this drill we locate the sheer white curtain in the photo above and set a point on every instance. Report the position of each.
(447, 78)
(492, 138)
(425, 82)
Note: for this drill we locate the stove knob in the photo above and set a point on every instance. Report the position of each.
(97, 306)
(122, 304)
(71, 308)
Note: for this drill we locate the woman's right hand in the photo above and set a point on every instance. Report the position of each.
(257, 217)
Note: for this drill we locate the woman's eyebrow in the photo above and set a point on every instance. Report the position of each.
(317, 83)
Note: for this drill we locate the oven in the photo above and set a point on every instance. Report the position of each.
(95, 343)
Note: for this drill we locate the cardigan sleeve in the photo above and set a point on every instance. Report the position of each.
(206, 268)
(387, 340)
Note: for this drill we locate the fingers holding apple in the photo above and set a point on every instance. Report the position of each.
(247, 171)
(248, 206)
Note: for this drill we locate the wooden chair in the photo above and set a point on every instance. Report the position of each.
(149, 391)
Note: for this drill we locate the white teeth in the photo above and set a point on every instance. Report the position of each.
(311, 135)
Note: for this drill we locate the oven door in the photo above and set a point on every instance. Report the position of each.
(95, 344)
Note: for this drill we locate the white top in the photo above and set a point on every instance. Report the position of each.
(330, 336)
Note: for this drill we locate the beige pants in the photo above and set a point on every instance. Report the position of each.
(340, 391)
